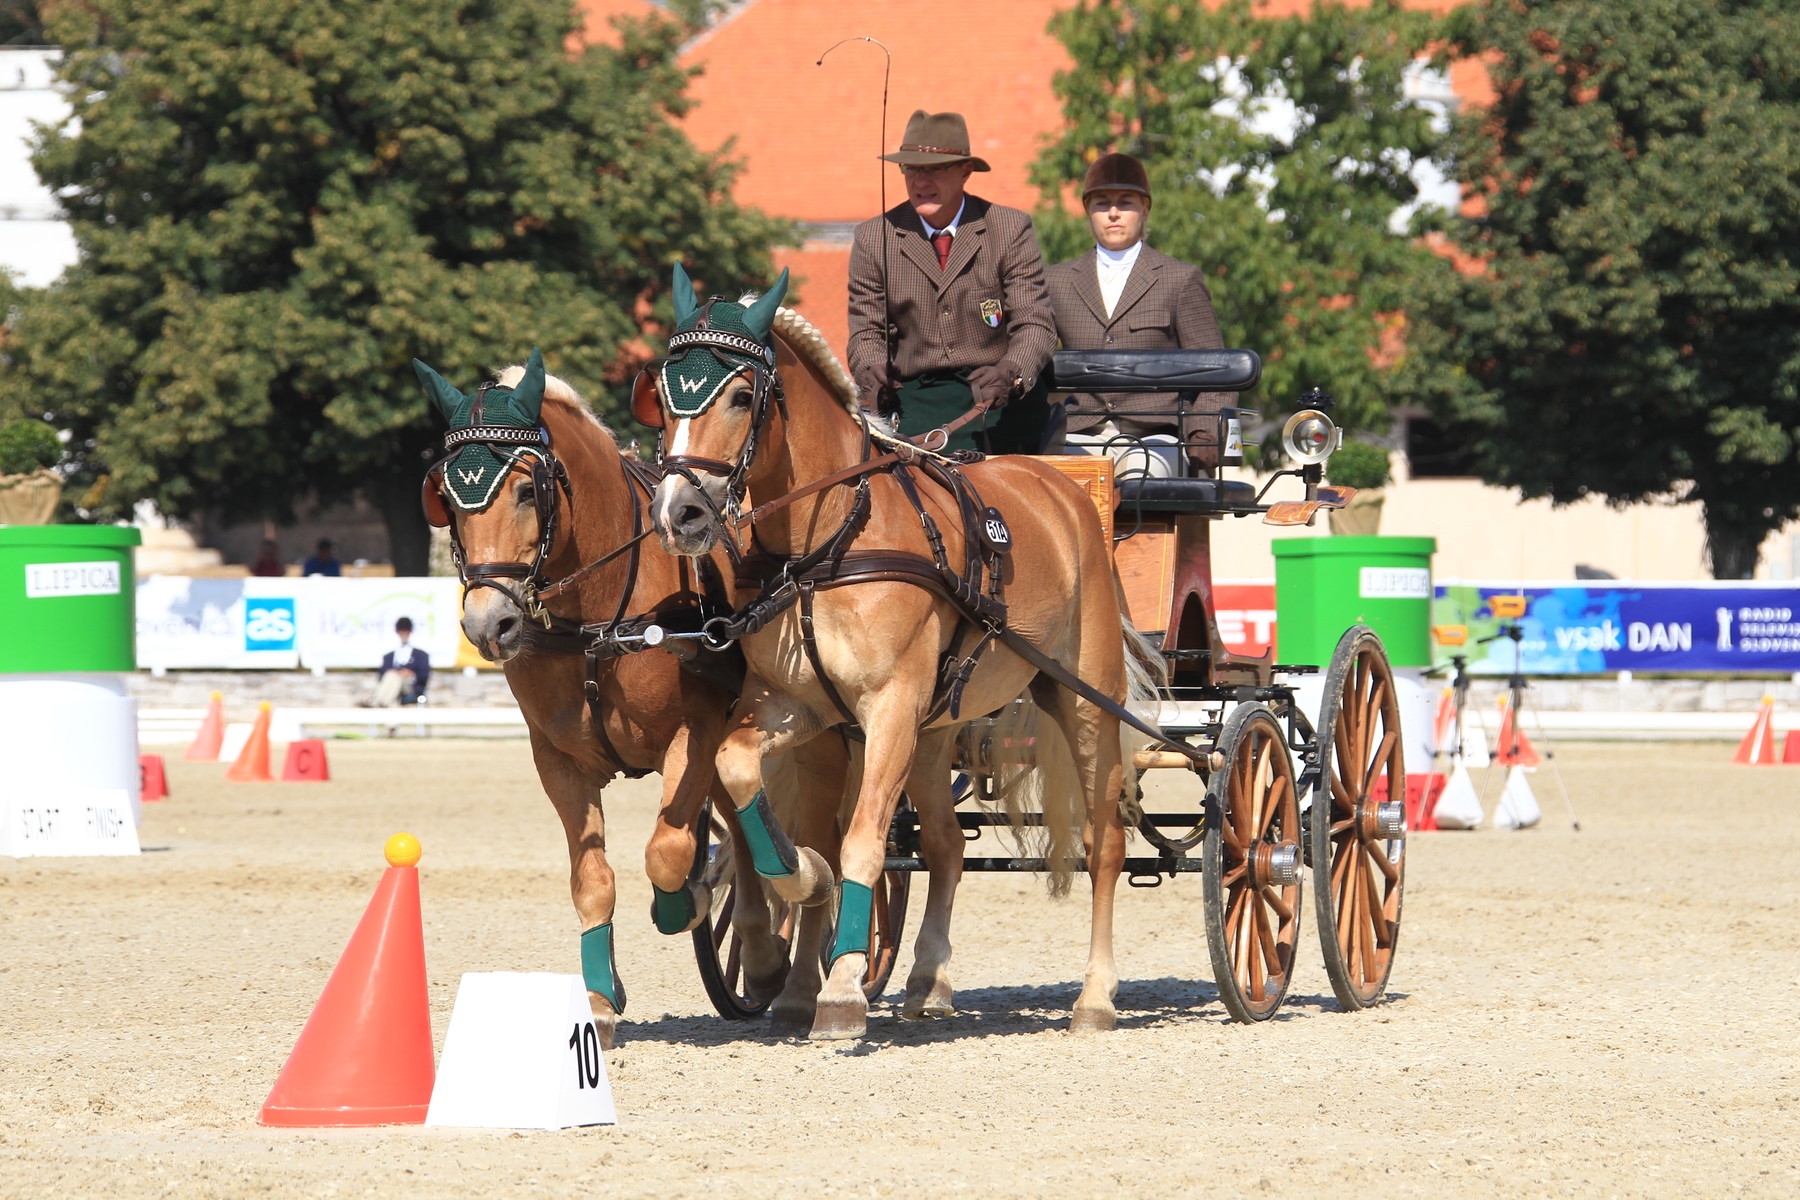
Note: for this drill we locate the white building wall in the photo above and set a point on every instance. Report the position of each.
(35, 244)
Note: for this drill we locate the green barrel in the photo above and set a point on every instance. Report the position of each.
(68, 598)
(1325, 585)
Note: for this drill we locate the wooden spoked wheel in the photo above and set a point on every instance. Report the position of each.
(1250, 863)
(1356, 822)
(717, 948)
(892, 891)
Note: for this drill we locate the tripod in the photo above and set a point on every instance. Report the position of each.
(1516, 685)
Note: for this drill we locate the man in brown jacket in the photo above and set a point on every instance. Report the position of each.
(947, 301)
(1122, 295)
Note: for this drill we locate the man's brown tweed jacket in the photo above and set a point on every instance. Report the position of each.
(986, 305)
(1165, 305)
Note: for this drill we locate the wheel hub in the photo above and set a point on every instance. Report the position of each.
(1276, 865)
(1380, 821)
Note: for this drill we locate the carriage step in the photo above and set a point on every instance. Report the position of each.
(1137, 870)
(984, 820)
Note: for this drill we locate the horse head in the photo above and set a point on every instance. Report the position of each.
(713, 396)
(496, 489)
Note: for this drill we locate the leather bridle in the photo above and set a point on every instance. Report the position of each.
(550, 485)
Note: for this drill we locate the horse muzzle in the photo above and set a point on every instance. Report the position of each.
(494, 625)
(686, 516)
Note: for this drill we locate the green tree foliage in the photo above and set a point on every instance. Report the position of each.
(1288, 218)
(279, 203)
(1636, 333)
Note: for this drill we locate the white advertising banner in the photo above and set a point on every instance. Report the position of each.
(278, 623)
(197, 623)
(350, 622)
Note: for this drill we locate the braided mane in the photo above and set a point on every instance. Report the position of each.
(811, 346)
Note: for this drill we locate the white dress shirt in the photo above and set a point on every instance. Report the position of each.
(1113, 268)
(951, 227)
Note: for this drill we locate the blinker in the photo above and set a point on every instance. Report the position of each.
(431, 497)
(646, 404)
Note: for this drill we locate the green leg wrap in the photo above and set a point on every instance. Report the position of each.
(672, 911)
(598, 970)
(856, 907)
(770, 850)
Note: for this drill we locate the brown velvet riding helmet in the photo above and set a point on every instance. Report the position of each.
(1115, 173)
(935, 140)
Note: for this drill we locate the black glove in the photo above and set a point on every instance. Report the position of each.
(994, 384)
(874, 392)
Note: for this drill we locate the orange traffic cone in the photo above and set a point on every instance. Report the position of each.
(1758, 747)
(252, 765)
(305, 762)
(206, 743)
(1513, 749)
(153, 784)
(364, 1057)
(1790, 747)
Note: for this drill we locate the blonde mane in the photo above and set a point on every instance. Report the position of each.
(813, 349)
(555, 392)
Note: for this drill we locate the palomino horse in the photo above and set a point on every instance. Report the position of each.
(517, 450)
(754, 406)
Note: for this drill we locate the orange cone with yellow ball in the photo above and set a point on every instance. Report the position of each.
(252, 765)
(364, 1057)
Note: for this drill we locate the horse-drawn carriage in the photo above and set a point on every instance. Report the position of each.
(1006, 581)
(1269, 766)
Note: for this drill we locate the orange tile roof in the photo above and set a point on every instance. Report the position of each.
(597, 17)
(808, 134)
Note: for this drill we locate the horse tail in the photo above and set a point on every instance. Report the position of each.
(1146, 674)
(1035, 774)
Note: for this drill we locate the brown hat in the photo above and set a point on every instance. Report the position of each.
(1115, 173)
(935, 140)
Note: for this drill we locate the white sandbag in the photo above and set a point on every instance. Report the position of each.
(1459, 807)
(1518, 808)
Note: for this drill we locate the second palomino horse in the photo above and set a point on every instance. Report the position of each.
(887, 592)
(547, 518)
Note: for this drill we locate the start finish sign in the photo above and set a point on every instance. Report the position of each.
(55, 822)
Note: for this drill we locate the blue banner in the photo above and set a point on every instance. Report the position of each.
(1580, 629)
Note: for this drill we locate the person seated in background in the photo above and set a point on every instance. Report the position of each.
(405, 671)
(324, 560)
(1124, 295)
(268, 560)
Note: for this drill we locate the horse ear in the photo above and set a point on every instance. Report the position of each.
(684, 295)
(760, 317)
(528, 393)
(438, 391)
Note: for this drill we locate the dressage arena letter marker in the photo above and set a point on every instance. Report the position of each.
(522, 1053)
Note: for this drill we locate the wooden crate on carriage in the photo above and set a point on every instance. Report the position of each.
(1147, 559)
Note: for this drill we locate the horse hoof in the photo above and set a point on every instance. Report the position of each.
(839, 1020)
(792, 1021)
(1093, 1020)
(606, 1021)
(810, 884)
(931, 1006)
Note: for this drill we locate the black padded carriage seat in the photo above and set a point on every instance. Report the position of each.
(1185, 495)
(1128, 371)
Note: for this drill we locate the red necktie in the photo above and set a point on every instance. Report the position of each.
(941, 243)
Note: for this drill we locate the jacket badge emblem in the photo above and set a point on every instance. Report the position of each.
(991, 316)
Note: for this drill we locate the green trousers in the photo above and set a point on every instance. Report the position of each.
(937, 398)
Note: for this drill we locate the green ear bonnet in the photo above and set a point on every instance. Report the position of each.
(715, 342)
(490, 431)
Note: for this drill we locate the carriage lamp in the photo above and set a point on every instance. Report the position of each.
(1309, 437)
